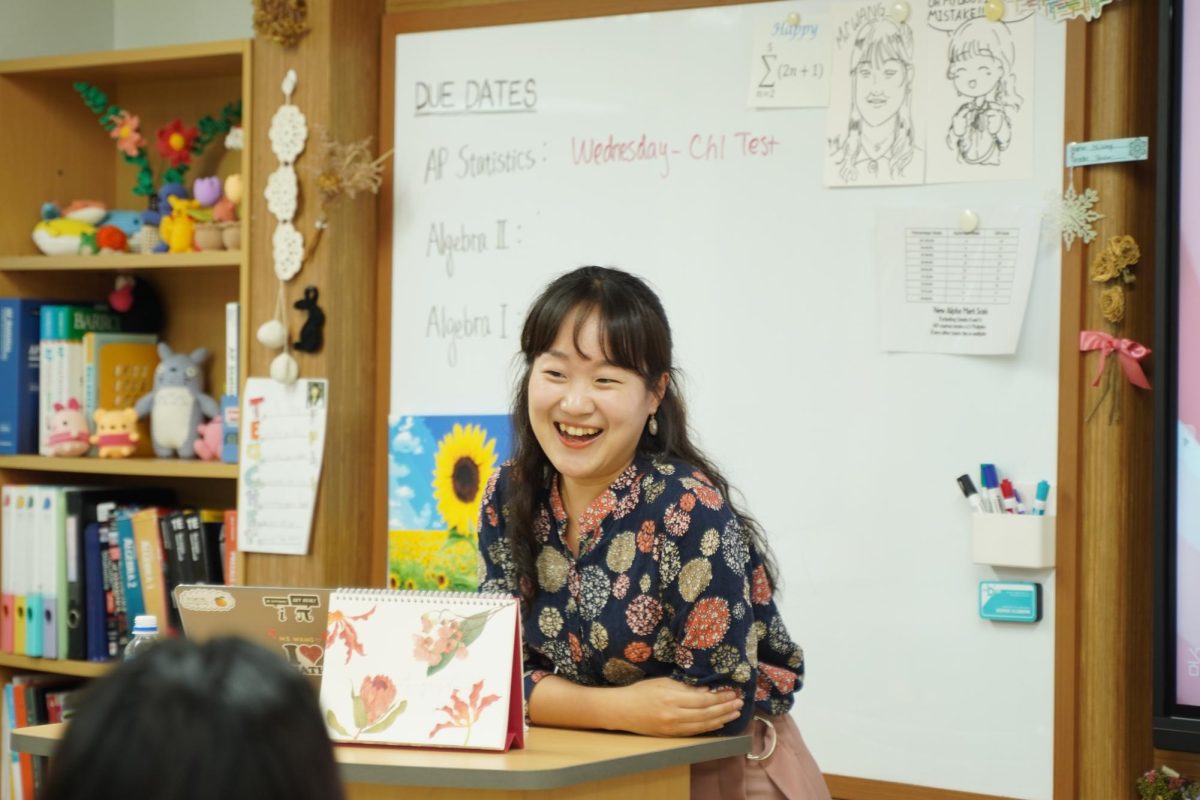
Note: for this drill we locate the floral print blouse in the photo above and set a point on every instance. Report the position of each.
(667, 583)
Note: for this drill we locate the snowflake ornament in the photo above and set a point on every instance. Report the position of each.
(1074, 215)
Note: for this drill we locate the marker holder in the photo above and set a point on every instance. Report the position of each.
(1013, 540)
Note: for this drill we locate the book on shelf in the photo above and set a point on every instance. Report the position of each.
(60, 378)
(77, 564)
(118, 368)
(85, 629)
(19, 365)
(434, 669)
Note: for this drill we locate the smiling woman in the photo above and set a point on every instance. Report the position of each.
(648, 600)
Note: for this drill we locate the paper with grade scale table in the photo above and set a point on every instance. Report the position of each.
(943, 290)
(283, 443)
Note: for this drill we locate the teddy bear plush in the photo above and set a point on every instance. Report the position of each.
(177, 404)
(116, 433)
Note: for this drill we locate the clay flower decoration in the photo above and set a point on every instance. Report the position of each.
(340, 625)
(375, 707)
(126, 131)
(1112, 268)
(174, 142)
(464, 714)
(445, 636)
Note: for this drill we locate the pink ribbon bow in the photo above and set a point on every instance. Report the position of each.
(1129, 353)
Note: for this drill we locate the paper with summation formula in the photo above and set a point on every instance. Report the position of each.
(944, 290)
(283, 443)
(790, 61)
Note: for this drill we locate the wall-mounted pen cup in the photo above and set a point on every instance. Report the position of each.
(1013, 540)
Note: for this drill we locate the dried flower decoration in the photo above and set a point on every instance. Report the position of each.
(281, 21)
(1113, 269)
(1112, 304)
(342, 170)
(1165, 783)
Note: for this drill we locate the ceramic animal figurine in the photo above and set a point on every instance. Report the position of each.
(116, 433)
(69, 435)
(177, 404)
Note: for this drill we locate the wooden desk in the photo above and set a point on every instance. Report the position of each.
(562, 764)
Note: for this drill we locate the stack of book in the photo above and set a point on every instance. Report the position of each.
(80, 563)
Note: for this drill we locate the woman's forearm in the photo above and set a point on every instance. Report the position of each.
(560, 703)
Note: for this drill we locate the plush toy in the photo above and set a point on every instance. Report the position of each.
(312, 332)
(68, 430)
(138, 304)
(177, 403)
(208, 446)
(116, 432)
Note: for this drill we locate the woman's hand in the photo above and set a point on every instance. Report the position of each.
(666, 707)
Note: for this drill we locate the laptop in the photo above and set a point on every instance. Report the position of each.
(286, 620)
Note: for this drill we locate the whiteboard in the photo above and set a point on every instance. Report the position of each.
(845, 453)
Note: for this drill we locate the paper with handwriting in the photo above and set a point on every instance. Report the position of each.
(283, 443)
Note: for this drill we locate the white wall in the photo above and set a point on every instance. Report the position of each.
(51, 27)
(146, 23)
(31, 28)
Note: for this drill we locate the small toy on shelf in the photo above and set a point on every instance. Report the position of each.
(138, 303)
(208, 445)
(178, 230)
(59, 235)
(69, 435)
(177, 404)
(116, 433)
(312, 332)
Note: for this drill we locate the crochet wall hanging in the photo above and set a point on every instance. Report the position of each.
(288, 134)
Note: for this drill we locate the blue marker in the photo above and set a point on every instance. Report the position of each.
(991, 486)
(1039, 503)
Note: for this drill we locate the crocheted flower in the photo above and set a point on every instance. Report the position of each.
(175, 143)
(1125, 250)
(1112, 303)
(125, 131)
(1105, 267)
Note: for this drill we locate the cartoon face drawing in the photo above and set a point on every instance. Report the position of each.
(976, 75)
(880, 88)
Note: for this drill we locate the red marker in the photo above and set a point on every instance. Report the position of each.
(1010, 500)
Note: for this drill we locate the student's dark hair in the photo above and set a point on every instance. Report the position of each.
(635, 335)
(184, 721)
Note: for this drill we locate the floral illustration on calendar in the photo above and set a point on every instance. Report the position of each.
(340, 625)
(464, 713)
(416, 668)
(445, 636)
(375, 707)
(438, 467)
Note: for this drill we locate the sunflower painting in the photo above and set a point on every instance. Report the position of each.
(438, 469)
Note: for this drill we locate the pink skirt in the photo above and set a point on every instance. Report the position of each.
(790, 773)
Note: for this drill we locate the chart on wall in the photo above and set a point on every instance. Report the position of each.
(694, 148)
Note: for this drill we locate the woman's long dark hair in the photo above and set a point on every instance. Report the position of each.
(636, 336)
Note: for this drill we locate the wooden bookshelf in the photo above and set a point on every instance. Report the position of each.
(125, 262)
(56, 666)
(59, 152)
(150, 467)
